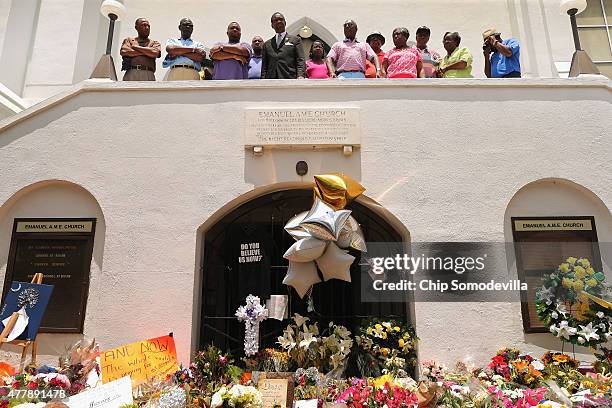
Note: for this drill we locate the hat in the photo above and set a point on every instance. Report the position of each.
(423, 29)
(490, 32)
(375, 34)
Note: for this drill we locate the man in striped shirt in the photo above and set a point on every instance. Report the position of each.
(347, 59)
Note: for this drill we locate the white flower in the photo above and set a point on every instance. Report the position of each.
(589, 332)
(537, 364)
(286, 341)
(581, 340)
(545, 294)
(217, 398)
(300, 320)
(600, 315)
(554, 315)
(563, 330)
(308, 339)
(561, 309)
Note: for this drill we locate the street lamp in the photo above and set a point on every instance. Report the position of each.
(115, 11)
(581, 62)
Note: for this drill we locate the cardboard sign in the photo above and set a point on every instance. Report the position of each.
(273, 392)
(143, 361)
(111, 395)
(276, 389)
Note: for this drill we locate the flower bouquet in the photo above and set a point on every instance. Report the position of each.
(307, 347)
(517, 368)
(362, 393)
(386, 347)
(237, 396)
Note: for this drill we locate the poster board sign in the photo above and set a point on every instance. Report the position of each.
(111, 395)
(143, 361)
(276, 389)
(34, 298)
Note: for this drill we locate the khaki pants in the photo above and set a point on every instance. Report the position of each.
(182, 74)
(138, 75)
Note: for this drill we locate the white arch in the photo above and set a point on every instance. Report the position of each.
(317, 29)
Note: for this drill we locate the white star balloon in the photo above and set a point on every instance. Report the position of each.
(301, 276)
(351, 236)
(306, 249)
(293, 226)
(323, 222)
(335, 263)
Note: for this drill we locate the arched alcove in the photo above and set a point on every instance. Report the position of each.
(547, 221)
(319, 32)
(225, 282)
(50, 200)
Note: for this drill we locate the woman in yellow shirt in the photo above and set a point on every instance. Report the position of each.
(457, 63)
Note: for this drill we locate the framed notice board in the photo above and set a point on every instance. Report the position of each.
(60, 249)
(541, 244)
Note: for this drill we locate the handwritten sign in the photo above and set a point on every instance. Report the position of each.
(276, 389)
(111, 395)
(143, 361)
(273, 392)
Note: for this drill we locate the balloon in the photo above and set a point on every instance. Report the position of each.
(351, 236)
(301, 276)
(335, 263)
(305, 250)
(323, 222)
(294, 229)
(337, 189)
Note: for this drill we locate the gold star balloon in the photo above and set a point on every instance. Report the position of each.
(337, 189)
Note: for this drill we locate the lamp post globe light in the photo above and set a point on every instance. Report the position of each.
(581, 62)
(115, 11)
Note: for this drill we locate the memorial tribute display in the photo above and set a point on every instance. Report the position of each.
(318, 363)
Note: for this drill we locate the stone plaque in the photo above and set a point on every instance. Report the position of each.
(302, 126)
(61, 250)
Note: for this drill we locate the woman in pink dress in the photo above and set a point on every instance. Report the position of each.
(315, 66)
(402, 61)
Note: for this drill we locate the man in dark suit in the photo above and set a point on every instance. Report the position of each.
(283, 55)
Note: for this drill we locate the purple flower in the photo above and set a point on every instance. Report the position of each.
(222, 360)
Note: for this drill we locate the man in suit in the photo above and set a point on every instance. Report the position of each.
(283, 55)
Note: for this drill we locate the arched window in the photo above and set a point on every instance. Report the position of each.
(258, 224)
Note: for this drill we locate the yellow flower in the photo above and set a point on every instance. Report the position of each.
(571, 260)
(561, 358)
(378, 326)
(579, 272)
(396, 328)
(584, 262)
(578, 285)
(567, 283)
(590, 270)
(592, 282)
(384, 351)
(401, 343)
(384, 335)
(382, 380)
(564, 267)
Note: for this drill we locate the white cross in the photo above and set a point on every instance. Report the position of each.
(251, 314)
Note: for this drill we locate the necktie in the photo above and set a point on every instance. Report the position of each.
(279, 38)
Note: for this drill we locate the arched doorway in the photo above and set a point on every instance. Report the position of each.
(227, 279)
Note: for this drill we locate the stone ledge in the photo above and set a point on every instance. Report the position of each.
(97, 85)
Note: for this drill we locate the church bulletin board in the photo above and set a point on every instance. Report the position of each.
(60, 249)
(541, 244)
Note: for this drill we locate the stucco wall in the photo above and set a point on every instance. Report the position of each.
(444, 157)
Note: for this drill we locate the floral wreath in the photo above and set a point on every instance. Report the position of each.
(563, 304)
